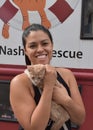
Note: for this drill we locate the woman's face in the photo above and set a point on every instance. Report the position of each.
(38, 47)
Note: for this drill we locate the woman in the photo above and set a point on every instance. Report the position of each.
(32, 109)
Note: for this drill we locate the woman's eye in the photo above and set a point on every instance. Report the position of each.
(32, 46)
(45, 43)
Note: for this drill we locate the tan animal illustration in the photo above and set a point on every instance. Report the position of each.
(58, 114)
(5, 30)
(25, 6)
(32, 5)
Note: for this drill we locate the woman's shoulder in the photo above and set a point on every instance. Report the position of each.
(66, 74)
(20, 80)
(64, 71)
(21, 83)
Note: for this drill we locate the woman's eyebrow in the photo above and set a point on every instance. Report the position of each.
(32, 42)
(45, 40)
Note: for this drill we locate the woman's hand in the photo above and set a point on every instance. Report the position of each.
(50, 77)
(60, 94)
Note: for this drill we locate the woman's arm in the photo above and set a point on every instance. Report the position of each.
(74, 104)
(22, 101)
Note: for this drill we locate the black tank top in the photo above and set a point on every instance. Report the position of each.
(37, 98)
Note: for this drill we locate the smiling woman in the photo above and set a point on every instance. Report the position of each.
(31, 108)
(38, 45)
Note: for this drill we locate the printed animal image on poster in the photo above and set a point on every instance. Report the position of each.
(58, 16)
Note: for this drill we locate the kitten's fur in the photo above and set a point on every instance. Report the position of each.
(58, 114)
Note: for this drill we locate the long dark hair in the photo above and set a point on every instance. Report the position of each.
(34, 27)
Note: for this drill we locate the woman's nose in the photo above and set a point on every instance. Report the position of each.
(40, 48)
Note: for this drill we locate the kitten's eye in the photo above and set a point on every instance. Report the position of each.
(39, 78)
(33, 78)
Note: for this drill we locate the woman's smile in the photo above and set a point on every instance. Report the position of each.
(42, 56)
(39, 47)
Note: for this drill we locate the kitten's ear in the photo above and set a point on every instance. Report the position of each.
(43, 70)
(29, 67)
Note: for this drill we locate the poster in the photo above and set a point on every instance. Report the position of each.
(62, 17)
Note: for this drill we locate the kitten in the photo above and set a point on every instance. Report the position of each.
(36, 74)
(58, 114)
